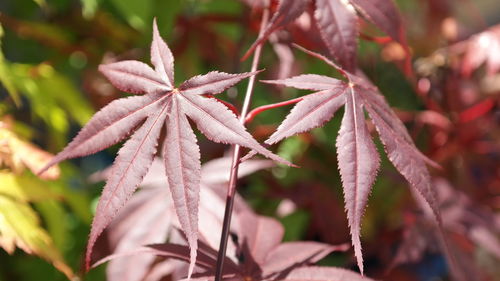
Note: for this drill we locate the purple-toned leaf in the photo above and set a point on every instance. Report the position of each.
(313, 111)
(403, 156)
(384, 14)
(162, 58)
(378, 103)
(261, 235)
(212, 83)
(337, 23)
(107, 127)
(219, 124)
(293, 254)
(134, 77)
(288, 10)
(358, 164)
(182, 164)
(312, 82)
(323, 273)
(126, 174)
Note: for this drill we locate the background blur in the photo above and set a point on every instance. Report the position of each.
(50, 87)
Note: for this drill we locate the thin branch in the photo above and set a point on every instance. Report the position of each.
(263, 108)
(236, 158)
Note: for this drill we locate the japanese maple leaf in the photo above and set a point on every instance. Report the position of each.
(161, 104)
(337, 21)
(260, 254)
(358, 160)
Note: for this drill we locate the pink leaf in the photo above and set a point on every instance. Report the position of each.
(162, 58)
(134, 77)
(312, 82)
(212, 83)
(126, 174)
(260, 234)
(313, 111)
(107, 127)
(337, 23)
(358, 163)
(219, 124)
(322, 273)
(182, 164)
(146, 211)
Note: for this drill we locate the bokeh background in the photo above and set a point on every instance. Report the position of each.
(50, 87)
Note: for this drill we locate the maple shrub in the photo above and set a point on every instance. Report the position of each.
(187, 221)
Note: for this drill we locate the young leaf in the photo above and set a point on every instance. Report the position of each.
(161, 102)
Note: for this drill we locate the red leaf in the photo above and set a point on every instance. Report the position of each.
(337, 23)
(313, 111)
(358, 163)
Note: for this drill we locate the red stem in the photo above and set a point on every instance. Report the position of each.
(227, 104)
(376, 39)
(236, 159)
(263, 108)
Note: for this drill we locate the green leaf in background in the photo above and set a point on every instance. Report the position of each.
(25, 188)
(137, 13)
(20, 227)
(89, 8)
(5, 77)
(54, 215)
(53, 97)
(166, 12)
(295, 225)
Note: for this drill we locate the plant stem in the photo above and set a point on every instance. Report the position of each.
(233, 177)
